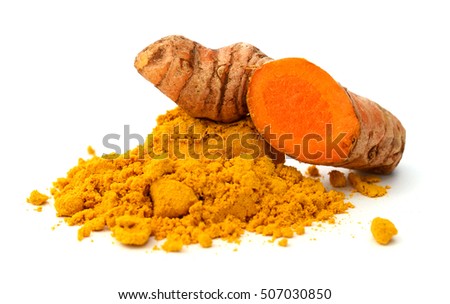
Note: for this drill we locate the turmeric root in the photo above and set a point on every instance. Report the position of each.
(206, 83)
(302, 111)
(298, 107)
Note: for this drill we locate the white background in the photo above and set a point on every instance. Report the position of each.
(67, 79)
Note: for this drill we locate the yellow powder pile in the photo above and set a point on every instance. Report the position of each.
(190, 184)
(180, 136)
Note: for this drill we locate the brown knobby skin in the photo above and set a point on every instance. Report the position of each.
(381, 141)
(206, 83)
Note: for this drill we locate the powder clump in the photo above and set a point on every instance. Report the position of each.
(131, 230)
(173, 243)
(366, 185)
(383, 230)
(36, 198)
(337, 179)
(171, 198)
(283, 242)
(190, 184)
(204, 240)
(313, 171)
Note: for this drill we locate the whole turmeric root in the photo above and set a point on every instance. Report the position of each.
(298, 107)
(206, 83)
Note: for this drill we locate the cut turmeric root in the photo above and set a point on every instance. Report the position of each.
(298, 107)
(302, 111)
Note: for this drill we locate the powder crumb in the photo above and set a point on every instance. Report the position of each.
(300, 230)
(172, 244)
(38, 209)
(287, 232)
(283, 242)
(96, 224)
(56, 225)
(204, 240)
(337, 179)
(366, 185)
(90, 150)
(370, 179)
(313, 171)
(171, 198)
(383, 230)
(69, 204)
(131, 230)
(36, 198)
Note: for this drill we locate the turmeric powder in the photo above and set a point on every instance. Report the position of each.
(383, 230)
(337, 179)
(283, 242)
(36, 198)
(169, 190)
(173, 243)
(204, 240)
(366, 185)
(313, 171)
(171, 198)
(131, 230)
(180, 136)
